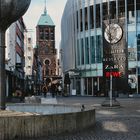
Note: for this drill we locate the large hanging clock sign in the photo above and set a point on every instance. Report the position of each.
(113, 33)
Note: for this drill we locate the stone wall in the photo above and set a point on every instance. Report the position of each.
(33, 126)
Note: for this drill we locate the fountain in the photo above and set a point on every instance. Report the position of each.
(10, 11)
(33, 120)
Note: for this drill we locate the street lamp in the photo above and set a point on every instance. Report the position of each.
(10, 11)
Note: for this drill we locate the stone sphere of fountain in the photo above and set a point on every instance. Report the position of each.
(11, 10)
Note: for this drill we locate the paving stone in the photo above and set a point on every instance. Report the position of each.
(111, 123)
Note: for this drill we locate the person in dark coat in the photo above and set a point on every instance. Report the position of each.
(53, 90)
(44, 91)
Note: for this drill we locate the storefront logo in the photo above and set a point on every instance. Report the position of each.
(113, 74)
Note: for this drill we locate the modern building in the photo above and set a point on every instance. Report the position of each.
(29, 55)
(45, 41)
(88, 28)
(15, 60)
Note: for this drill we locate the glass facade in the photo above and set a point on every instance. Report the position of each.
(88, 17)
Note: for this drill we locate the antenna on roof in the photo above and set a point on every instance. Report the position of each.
(45, 9)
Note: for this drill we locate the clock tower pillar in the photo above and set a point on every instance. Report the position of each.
(115, 52)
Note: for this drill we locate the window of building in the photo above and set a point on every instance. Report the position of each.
(86, 19)
(29, 40)
(52, 36)
(105, 11)
(91, 18)
(77, 18)
(19, 26)
(121, 8)
(47, 62)
(78, 52)
(132, 45)
(18, 41)
(81, 20)
(130, 12)
(98, 22)
(92, 48)
(98, 49)
(138, 16)
(138, 45)
(113, 9)
(46, 49)
(18, 58)
(86, 86)
(41, 34)
(46, 34)
(82, 51)
(131, 39)
(87, 50)
(138, 5)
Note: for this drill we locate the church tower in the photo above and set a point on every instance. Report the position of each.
(45, 40)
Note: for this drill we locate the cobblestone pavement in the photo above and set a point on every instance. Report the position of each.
(121, 123)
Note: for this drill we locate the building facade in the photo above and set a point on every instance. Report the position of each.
(28, 54)
(36, 73)
(47, 53)
(83, 52)
(15, 60)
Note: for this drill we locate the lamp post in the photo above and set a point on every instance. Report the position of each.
(10, 11)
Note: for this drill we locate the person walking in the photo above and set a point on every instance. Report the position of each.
(59, 90)
(53, 90)
(44, 91)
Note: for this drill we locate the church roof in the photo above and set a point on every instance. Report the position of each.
(45, 19)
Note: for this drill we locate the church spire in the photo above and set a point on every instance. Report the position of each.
(45, 9)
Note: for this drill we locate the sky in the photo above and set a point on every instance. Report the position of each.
(54, 9)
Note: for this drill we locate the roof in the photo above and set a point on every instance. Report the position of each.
(45, 19)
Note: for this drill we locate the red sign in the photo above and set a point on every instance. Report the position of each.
(114, 74)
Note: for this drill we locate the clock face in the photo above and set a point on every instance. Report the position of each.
(113, 33)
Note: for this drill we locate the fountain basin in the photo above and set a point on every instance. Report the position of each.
(44, 109)
(35, 124)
